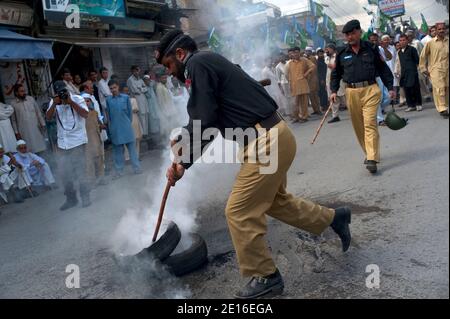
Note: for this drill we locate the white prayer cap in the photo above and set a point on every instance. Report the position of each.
(20, 143)
(146, 76)
(386, 36)
(86, 96)
(308, 49)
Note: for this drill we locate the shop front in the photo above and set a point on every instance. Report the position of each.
(108, 36)
(24, 60)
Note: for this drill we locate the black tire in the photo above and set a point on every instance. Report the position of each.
(189, 260)
(160, 250)
(165, 245)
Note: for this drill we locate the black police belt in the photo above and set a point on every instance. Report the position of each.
(265, 125)
(359, 85)
(271, 121)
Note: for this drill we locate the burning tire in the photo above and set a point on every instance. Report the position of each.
(190, 259)
(165, 245)
(160, 250)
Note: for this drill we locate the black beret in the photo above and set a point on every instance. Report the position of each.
(166, 41)
(351, 25)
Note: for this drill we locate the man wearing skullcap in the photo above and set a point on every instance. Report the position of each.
(34, 166)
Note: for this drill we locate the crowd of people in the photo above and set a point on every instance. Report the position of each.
(96, 121)
(302, 78)
(101, 113)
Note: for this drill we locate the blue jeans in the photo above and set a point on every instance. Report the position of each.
(119, 156)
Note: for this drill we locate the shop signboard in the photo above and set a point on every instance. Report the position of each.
(16, 15)
(392, 8)
(105, 11)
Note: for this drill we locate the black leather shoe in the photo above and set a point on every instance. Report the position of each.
(262, 287)
(340, 225)
(372, 167)
(334, 120)
(444, 114)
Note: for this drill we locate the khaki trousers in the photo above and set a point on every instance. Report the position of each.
(363, 105)
(440, 92)
(256, 195)
(300, 107)
(315, 101)
(440, 96)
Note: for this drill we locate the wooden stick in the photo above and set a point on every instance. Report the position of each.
(25, 182)
(322, 123)
(161, 210)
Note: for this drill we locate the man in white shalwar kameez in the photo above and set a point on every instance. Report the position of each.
(283, 83)
(273, 89)
(12, 178)
(103, 89)
(38, 171)
(7, 136)
(138, 90)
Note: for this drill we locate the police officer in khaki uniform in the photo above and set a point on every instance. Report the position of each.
(358, 64)
(223, 96)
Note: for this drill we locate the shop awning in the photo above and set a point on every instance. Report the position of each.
(15, 46)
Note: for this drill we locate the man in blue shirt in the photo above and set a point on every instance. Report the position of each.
(119, 112)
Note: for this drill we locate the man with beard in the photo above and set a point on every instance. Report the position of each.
(224, 97)
(28, 121)
(37, 169)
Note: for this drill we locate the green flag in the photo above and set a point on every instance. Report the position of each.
(424, 27)
(214, 41)
(319, 10)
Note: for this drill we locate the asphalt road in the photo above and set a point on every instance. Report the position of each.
(400, 224)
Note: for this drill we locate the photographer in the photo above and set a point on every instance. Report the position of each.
(71, 111)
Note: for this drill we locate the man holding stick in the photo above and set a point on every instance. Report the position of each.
(358, 64)
(224, 97)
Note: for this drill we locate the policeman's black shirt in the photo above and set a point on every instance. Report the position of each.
(223, 96)
(367, 65)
